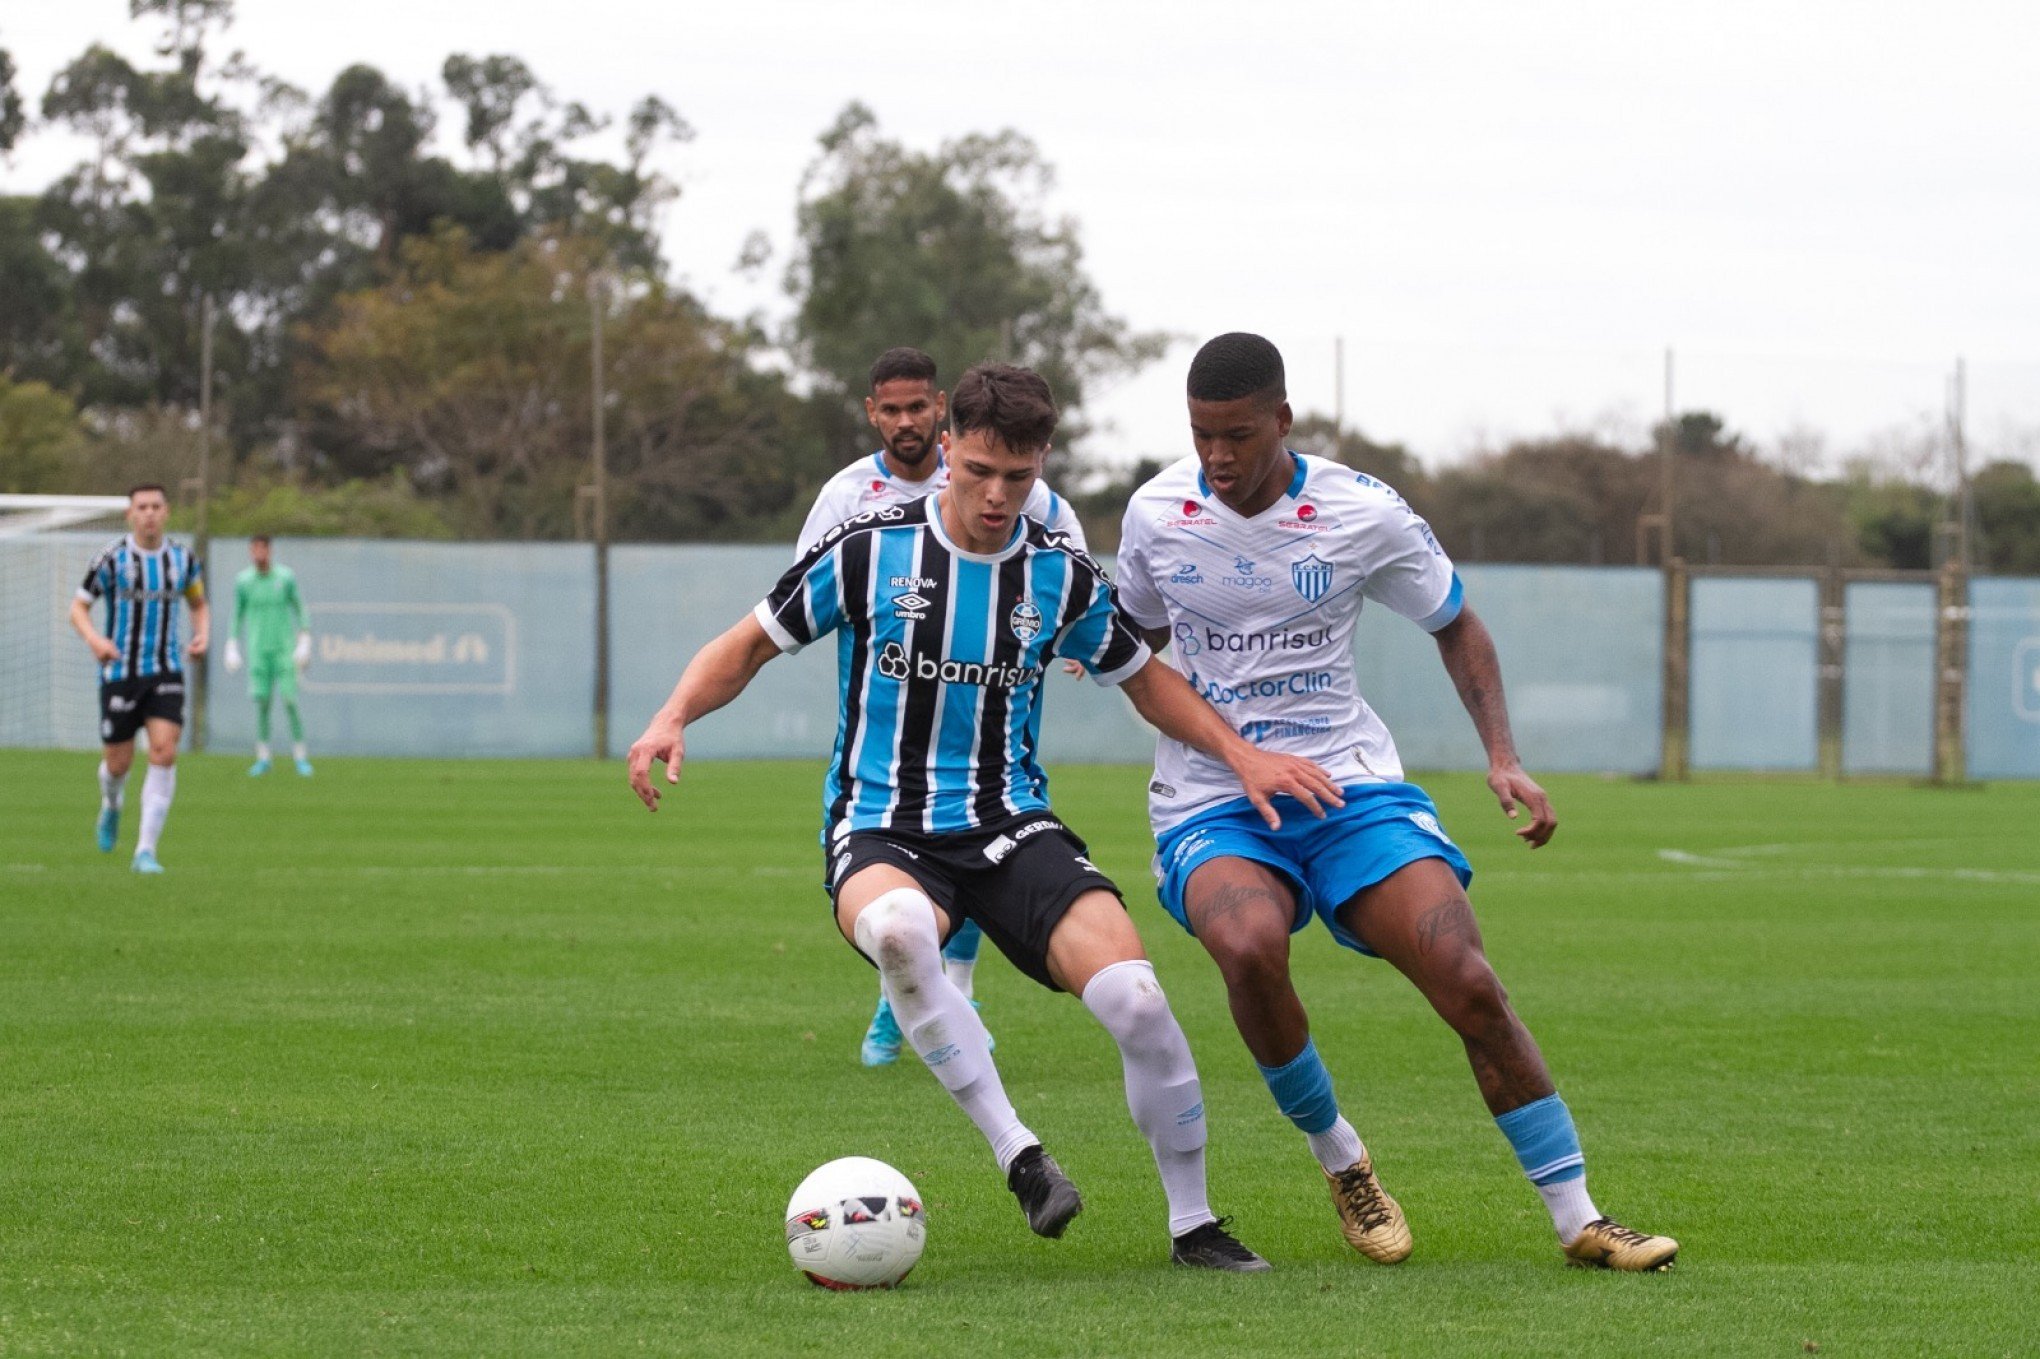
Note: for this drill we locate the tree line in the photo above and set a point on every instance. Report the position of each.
(401, 335)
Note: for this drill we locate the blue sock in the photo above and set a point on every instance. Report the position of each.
(964, 944)
(1547, 1145)
(1303, 1090)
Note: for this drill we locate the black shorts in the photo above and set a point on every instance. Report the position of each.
(1017, 879)
(124, 705)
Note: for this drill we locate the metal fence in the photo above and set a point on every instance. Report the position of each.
(486, 649)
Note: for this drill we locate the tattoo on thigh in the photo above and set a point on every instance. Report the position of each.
(1445, 922)
(1230, 899)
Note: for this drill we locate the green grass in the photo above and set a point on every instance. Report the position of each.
(480, 1058)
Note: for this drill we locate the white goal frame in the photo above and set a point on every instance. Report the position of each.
(24, 514)
(46, 677)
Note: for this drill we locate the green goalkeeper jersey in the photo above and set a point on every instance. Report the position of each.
(268, 615)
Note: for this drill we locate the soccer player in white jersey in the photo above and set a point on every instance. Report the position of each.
(947, 613)
(1251, 563)
(907, 409)
(141, 578)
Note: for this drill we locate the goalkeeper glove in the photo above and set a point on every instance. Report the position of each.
(233, 655)
(301, 655)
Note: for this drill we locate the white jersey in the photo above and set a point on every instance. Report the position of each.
(1261, 613)
(869, 484)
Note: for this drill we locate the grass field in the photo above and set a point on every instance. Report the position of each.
(480, 1058)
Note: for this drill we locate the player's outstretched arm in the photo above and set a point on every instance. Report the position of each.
(717, 674)
(103, 648)
(1167, 701)
(1469, 655)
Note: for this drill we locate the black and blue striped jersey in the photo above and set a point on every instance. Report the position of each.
(141, 591)
(940, 657)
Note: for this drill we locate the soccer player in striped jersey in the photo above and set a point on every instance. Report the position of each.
(140, 578)
(907, 409)
(947, 611)
(1251, 563)
(269, 612)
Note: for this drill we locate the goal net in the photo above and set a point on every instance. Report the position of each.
(48, 684)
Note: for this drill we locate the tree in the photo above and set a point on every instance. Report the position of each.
(2007, 501)
(469, 371)
(40, 335)
(1565, 499)
(1893, 519)
(39, 438)
(1700, 434)
(1392, 463)
(952, 252)
(551, 189)
(210, 183)
(150, 226)
(13, 115)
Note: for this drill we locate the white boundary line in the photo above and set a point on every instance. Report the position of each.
(1741, 867)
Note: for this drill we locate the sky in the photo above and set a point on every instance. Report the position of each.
(1506, 214)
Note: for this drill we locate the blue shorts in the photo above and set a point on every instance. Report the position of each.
(1382, 827)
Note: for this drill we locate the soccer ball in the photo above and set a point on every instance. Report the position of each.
(855, 1223)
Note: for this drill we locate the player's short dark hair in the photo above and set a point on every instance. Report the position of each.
(902, 362)
(141, 486)
(1013, 404)
(1237, 364)
(261, 538)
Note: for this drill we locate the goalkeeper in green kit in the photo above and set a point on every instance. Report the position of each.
(271, 617)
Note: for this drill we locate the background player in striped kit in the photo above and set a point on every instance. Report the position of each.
(141, 578)
(269, 612)
(947, 611)
(1251, 562)
(907, 409)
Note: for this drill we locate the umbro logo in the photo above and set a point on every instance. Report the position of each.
(911, 605)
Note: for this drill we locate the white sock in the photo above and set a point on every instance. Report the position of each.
(112, 787)
(1571, 1209)
(297, 750)
(262, 750)
(159, 786)
(1162, 1089)
(1337, 1147)
(960, 974)
(897, 931)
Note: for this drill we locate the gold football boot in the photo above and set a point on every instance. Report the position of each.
(1371, 1221)
(1607, 1244)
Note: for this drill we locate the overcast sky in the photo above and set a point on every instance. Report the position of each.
(1508, 211)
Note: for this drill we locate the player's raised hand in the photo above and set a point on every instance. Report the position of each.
(1265, 775)
(1516, 790)
(661, 741)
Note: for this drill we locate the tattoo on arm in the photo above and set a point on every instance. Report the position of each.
(1469, 655)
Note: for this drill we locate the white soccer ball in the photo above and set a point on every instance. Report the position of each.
(855, 1223)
